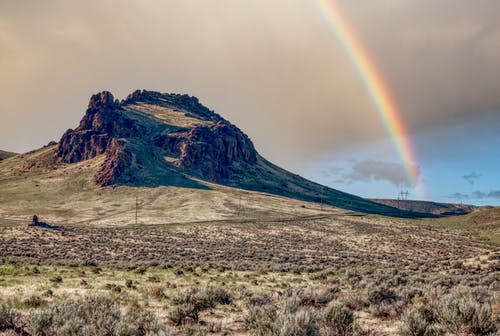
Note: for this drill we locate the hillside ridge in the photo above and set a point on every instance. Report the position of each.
(151, 139)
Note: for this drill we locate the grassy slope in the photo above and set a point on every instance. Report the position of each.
(66, 194)
(484, 223)
(5, 155)
(267, 177)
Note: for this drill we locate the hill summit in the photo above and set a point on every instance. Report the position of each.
(149, 136)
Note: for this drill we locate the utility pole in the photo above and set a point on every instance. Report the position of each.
(136, 208)
(239, 206)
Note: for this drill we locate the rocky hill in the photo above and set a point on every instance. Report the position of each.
(151, 140)
(148, 135)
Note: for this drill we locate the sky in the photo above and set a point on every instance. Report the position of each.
(275, 69)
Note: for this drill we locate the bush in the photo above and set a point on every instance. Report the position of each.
(56, 279)
(383, 301)
(418, 321)
(461, 312)
(338, 320)
(296, 323)
(194, 300)
(317, 296)
(34, 301)
(8, 317)
(287, 319)
(260, 319)
(95, 315)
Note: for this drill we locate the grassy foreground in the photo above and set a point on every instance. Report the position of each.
(333, 274)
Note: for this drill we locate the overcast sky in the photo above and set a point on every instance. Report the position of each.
(273, 68)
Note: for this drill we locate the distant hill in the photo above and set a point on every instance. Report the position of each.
(5, 155)
(150, 141)
(435, 208)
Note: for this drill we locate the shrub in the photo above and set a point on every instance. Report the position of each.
(338, 320)
(418, 321)
(260, 319)
(95, 315)
(317, 295)
(296, 323)
(461, 312)
(287, 319)
(8, 317)
(56, 279)
(194, 300)
(34, 301)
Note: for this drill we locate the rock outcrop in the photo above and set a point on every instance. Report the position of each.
(118, 159)
(102, 122)
(213, 151)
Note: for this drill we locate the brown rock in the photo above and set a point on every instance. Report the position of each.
(212, 152)
(34, 221)
(118, 159)
(102, 122)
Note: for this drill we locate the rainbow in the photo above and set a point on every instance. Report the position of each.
(385, 105)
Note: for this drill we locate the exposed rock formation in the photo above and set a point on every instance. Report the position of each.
(34, 221)
(212, 151)
(102, 122)
(118, 159)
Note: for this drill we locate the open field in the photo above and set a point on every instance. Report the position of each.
(377, 270)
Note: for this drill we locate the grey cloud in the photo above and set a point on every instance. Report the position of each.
(372, 170)
(459, 196)
(494, 194)
(471, 178)
(477, 195)
(333, 171)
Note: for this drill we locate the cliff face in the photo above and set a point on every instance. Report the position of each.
(211, 149)
(102, 123)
